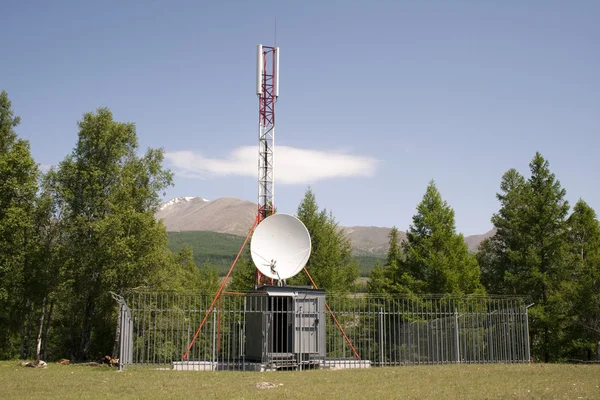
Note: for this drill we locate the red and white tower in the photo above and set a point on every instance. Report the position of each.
(267, 89)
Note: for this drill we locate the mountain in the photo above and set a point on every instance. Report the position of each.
(369, 240)
(473, 241)
(234, 216)
(223, 215)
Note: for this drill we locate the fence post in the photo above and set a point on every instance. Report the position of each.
(124, 333)
(381, 335)
(456, 334)
(122, 339)
(527, 348)
(214, 338)
(242, 354)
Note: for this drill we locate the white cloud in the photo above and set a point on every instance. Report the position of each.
(292, 165)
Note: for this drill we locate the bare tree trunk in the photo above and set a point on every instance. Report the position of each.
(47, 333)
(38, 346)
(28, 329)
(117, 334)
(22, 348)
(86, 334)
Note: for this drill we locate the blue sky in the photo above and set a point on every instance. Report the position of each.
(394, 93)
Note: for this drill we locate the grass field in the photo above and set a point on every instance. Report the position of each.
(535, 381)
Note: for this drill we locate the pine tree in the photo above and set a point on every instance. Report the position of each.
(580, 289)
(437, 259)
(382, 277)
(433, 258)
(502, 256)
(378, 281)
(331, 263)
(243, 277)
(394, 254)
(583, 232)
(527, 254)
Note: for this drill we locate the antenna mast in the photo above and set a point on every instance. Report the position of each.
(267, 89)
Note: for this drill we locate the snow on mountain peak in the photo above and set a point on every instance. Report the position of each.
(178, 200)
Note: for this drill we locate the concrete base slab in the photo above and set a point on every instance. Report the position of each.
(254, 366)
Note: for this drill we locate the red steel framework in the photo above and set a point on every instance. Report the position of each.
(267, 96)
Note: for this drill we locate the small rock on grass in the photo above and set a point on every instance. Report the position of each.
(35, 364)
(267, 385)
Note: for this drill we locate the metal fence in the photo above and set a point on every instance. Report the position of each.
(250, 331)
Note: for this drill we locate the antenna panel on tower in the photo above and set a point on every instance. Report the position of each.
(276, 84)
(259, 69)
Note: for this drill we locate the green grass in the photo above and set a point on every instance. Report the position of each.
(221, 248)
(551, 381)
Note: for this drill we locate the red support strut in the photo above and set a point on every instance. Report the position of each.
(334, 318)
(218, 295)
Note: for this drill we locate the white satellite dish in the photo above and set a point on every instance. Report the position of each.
(280, 246)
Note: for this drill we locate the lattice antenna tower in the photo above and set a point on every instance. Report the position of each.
(267, 89)
(284, 238)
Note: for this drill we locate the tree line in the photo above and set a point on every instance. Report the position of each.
(86, 228)
(540, 250)
(73, 235)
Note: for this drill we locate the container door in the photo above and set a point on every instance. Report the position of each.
(306, 325)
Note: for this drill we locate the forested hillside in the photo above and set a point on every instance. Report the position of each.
(219, 249)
